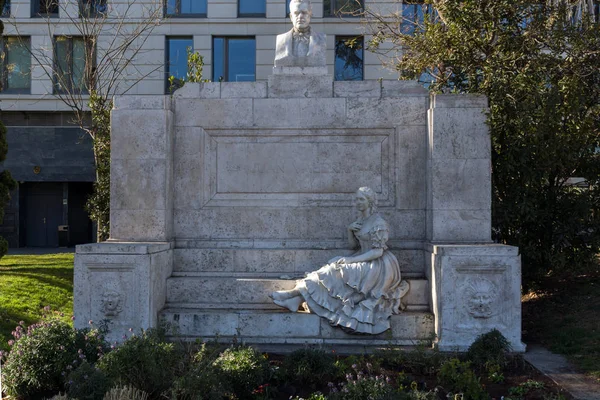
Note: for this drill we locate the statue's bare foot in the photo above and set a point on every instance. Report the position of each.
(291, 304)
(281, 295)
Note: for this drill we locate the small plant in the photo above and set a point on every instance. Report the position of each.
(44, 354)
(144, 362)
(363, 384)
(201, 381)
(309, 366)
(458, 377)
(195, 66)
(126, 393)
(494, 372)
(313, 396)
(525, 388)
(87, 383)
(243, 368)
(489, 349)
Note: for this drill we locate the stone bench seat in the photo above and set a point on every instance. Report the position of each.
(239, 291)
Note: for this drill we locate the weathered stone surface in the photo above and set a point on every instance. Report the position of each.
(402, 89)
(324, 113)
(456, 226)
(461, 184)
(363, 89)
(475, 292)
(242, 90)
(142, 102)
(386, 112)
(291, 86)
(122, 283)
(214, 113)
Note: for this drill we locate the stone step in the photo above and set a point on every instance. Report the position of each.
(259, 327)
(241, 291)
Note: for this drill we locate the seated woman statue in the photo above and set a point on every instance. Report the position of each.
(358, 293)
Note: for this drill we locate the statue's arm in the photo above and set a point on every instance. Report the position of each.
(372, 254)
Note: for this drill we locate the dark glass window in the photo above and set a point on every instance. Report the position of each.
(287, 8)
(252, 8)
(186, 8)
(92, 8)
(6, 9)
(414, 16)
(345, 8)
(16, 65)
(44, 8)
(348, 64)
(177, 50)
(72, 57)
(234, 59)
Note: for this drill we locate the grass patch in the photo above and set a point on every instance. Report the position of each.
(564, 316)
(28, 283)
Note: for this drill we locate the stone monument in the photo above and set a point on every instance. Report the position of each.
(228, 192)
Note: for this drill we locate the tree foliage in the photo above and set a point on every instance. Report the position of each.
(7, 183)
(538, 66)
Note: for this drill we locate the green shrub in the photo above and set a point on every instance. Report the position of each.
(458, 377)
(43, 355)
(201, 381)
(87, 383)
(126, 393)
(243, 369)
(144, 362)
(309, 366)
(489, 349)
(313, 396)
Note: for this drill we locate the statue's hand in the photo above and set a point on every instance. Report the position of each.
(346, 260)
(355, 226)
(334, 260)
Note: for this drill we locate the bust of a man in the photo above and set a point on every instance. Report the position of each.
(300, 47)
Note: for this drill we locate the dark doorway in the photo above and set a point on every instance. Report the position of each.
(43, 211)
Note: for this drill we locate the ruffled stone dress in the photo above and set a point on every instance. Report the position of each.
(328, 291)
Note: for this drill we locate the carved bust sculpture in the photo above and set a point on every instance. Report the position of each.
(358, 293)
(300, 47)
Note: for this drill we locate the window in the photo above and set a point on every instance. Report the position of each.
(287, 8)
(44, 8)
(252, 8)
(185, 8)
(234, 59)
(74, 59)
(348, 64)
(16, 66)
(414, 15)
(176, 51)
(345, 8)
(6, 9)
(92, 8)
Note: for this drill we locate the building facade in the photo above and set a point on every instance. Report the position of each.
(51, 158)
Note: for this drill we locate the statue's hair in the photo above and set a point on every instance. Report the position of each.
(369, 195)
(300, 2)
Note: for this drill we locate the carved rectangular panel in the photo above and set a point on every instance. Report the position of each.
(296, 167)
(113, 293)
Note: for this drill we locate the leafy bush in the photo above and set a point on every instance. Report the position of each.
(201, 381)
(309, 366)
(458, 377)
(488, 349)
(243, 368)
(44, 354)
(313, 396)
(362, 386)
(143, 361)
(87, 383)
(126, 393)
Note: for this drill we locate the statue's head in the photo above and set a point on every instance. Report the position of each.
(300, 14)
(369, 195)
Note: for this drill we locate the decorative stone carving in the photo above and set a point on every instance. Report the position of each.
(301, 46)
(112, 303)
(357, 293)
(481, 295)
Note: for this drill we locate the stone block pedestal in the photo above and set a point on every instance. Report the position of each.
(475, 288)
(123, 284)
